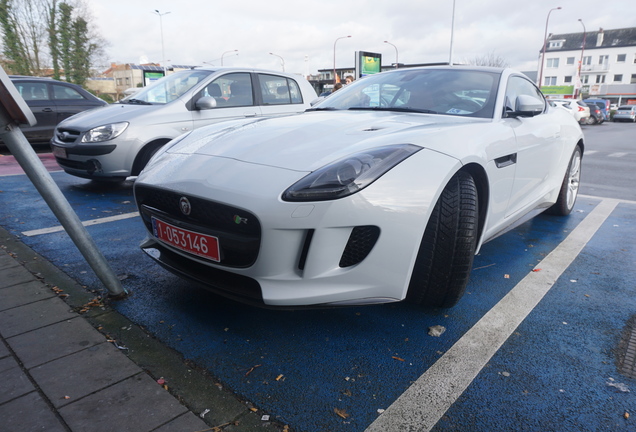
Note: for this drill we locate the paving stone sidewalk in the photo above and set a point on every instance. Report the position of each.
(60, 373)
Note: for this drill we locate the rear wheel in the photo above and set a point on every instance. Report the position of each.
(570, 186)
(446, 253)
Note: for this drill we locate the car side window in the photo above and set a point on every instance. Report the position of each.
(33, 91)
(237, 89)
(65, 93)
(518, 86)
(277, 90)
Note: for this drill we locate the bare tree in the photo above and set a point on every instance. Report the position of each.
(490, 59)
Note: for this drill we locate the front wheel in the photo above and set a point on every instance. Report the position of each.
(445, 257)
(570, 186)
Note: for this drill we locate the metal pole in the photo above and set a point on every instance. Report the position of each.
(163, 54)
(282, 60)
(578, 90)
(450, 56)
(545, 42)
(396, 54)
(334, 56)
(51, 193)
(226, 52)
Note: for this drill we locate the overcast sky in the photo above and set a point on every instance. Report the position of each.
(303, 32)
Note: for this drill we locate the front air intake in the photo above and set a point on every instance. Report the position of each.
(359, 245)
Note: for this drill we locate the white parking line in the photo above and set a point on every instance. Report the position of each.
(617, 155)
(85, 223)
(590, 152)
(428, 398)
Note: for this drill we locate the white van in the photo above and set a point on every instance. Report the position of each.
(118, 140)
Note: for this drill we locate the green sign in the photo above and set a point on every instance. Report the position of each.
(557, 90)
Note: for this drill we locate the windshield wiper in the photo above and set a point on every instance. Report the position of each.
(402, 109)
(138, 101)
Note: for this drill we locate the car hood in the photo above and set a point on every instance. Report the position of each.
(113, 113)
(308, 141)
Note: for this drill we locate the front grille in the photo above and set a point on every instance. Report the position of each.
(359, 245)
(238, 231)
(66, 135)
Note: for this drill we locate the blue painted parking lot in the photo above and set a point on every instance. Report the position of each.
(536, 344)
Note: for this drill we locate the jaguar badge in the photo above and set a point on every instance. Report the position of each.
(185, 206)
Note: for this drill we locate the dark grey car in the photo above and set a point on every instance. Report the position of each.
(51, 102)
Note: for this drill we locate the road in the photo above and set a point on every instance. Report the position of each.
(537, 343)
(610, 158)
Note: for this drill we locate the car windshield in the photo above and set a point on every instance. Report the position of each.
(168, 88)
(455, 91)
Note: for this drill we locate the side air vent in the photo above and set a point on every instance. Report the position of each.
(361, 241)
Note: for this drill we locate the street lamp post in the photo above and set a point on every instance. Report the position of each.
(334, 56)
(163, 53)
(580, 83)
(545, 42)
(282, 60)
(226, 52)
(396, 53)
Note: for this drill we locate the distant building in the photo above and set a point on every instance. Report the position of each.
(600, 64)
(121, 77)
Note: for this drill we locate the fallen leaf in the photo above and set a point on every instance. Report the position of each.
(626, 415)
(536, 270)
(397, 358)
(506, 276)
(341, 413)
(251, 370)
(279, 377)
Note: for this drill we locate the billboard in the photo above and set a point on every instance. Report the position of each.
(151, 76)
(367, 63)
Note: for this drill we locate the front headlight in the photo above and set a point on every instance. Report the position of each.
(348, 175)
(104, 133)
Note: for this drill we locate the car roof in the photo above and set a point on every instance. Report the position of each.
(242, 69)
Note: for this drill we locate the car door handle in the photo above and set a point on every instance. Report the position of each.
(507, 160)
(47, 110)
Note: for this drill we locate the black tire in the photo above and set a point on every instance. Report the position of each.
(570, 186)
(144, 157)
(445, 257)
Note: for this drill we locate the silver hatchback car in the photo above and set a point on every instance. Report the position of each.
(117, 141)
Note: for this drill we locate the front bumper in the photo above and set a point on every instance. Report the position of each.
(355, 250)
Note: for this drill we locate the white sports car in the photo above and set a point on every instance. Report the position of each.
(384, 191)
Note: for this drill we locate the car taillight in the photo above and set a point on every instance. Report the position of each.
(581, 108)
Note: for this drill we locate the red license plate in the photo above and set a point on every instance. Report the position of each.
(195, 243)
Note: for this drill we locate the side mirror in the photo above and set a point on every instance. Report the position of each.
(527, 106)
(205, 103)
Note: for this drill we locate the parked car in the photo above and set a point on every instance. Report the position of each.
(384, 191)
(580, 111)
(596, 115)
(625, 113)
(117, 141)
(51, 102)
(603, 105)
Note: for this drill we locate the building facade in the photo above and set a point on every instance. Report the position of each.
(599, 64)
